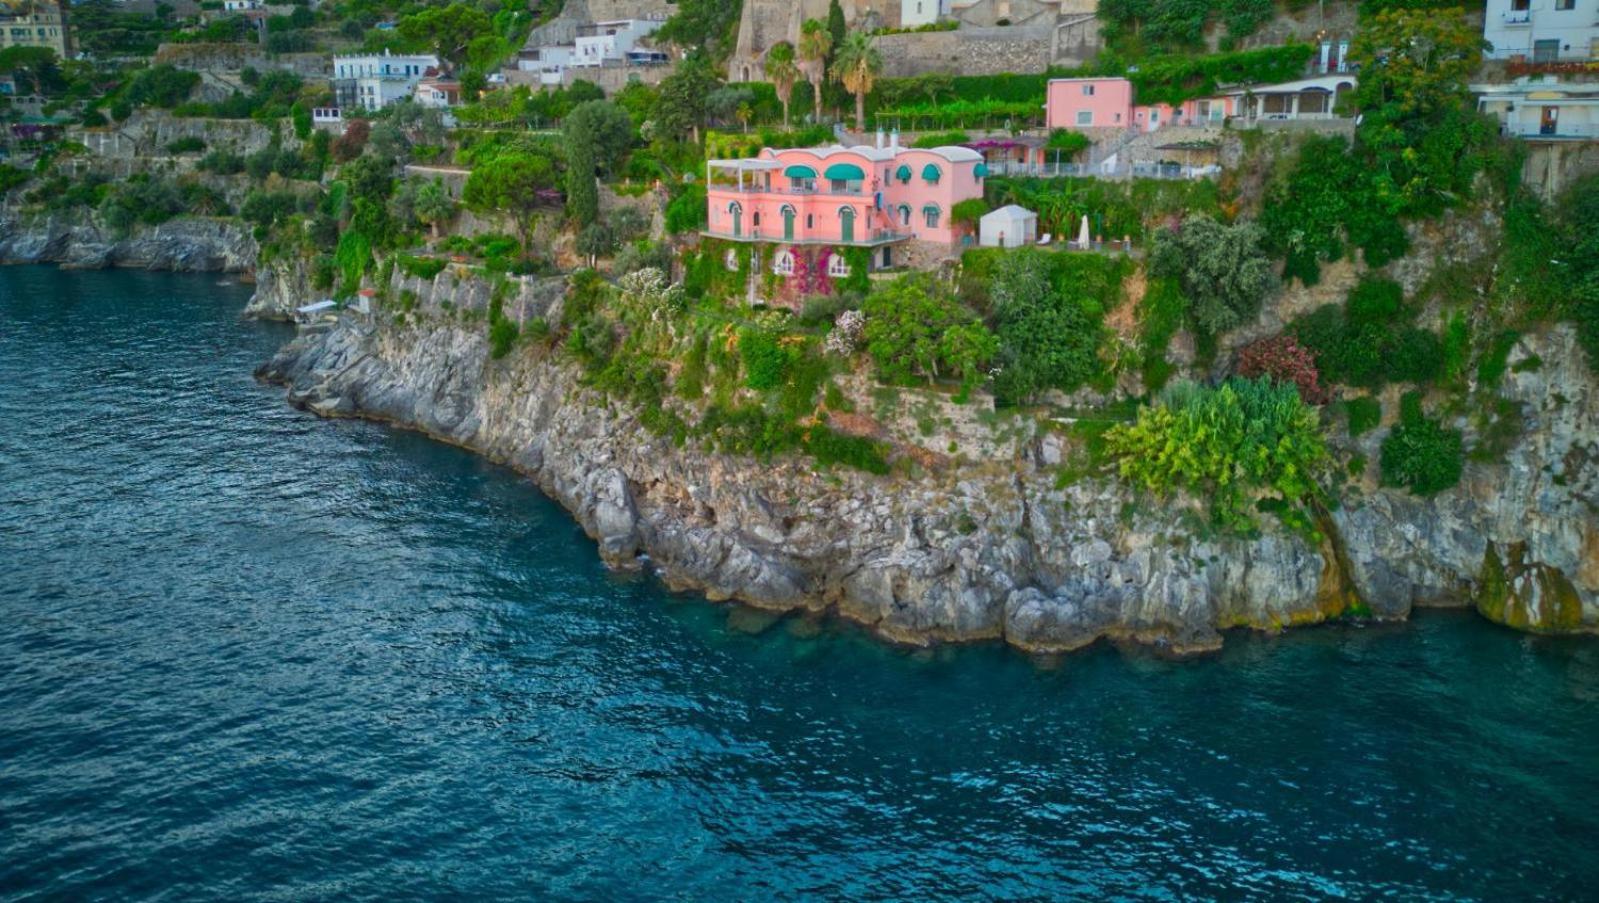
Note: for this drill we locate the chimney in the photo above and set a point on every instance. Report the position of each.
(893, 139)
(879, 137)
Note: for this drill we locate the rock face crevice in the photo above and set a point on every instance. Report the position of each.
(991, 553)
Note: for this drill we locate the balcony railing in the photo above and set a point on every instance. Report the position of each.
(802, 192)
(1517, 17)
(867, 239)
(1560, 131)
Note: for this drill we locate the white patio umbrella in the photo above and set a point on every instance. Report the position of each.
(1082, 234)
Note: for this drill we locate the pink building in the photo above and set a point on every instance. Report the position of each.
(1080, 103)
(858, 196)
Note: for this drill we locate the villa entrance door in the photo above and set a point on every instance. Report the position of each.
(788, 223)
(846, 217)
(1549, 124)
(738, 219)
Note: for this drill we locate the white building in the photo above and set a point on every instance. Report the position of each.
(1542, 31)
(610, 42)
(373, 81)
(913, 13)
(239, 6)
(1543, 107)
(438, 93)
(1011, 226)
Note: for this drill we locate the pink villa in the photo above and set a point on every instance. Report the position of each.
(862, 196)
(1107, 103)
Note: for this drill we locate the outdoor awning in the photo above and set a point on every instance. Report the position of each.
(800, 172)
(927, 207)
(903, 173)
(845, 172)
(981, 171)
(930, 172)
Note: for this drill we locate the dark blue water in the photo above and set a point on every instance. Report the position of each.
(249, 654)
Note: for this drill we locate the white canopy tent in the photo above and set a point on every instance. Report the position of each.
(1011, 226)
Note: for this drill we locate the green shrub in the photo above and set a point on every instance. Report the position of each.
(424, 268)
(1491, 367)
(764, 358)
(941, 139)
(502, 337)
(1419, 454)
(831, 447)
(1364, 413)
(1221, 443)
(188, 144)
(1223, 270)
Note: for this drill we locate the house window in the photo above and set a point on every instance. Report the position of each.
(809, 221)
(1565, 4)
(837, 267)
(930, 215)
(730, 260)
(1520, 6)
(1085, 117)
(1088, 90)
(905, 214)
(783, 263)
(1546, 51)
(755, 218)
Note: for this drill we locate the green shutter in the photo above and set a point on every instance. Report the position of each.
(845, 172)
(930, 173)
(981, 171)
(903, 173)
(800, 172)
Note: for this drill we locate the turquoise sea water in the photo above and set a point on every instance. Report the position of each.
(249, 654)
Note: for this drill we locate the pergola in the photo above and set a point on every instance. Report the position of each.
(740, 167)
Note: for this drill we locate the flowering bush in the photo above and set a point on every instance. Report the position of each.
(1286, 361)
(848, 330)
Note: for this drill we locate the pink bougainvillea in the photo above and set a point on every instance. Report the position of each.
(1283, 359)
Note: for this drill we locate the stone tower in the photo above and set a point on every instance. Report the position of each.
(767, 22)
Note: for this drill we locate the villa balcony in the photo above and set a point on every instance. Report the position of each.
(873, 239)
(1517, 17)
(785, 192)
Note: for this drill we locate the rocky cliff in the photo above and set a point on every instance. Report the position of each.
(995, 549)
(281, 285)
(188, 244)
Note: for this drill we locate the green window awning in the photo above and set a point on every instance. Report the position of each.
(800, 172)
(845, 172)
(932, 207)
(903, 173)
(930, 173)
(981, 171)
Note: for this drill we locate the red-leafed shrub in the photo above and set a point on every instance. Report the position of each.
(1284, 360)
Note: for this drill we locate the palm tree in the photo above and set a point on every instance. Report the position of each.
(783, 73)
(434, 205)
(814, 45)
(857, 66)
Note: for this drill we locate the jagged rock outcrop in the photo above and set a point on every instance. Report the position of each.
(185, 244)
(982, 552)
(993, 551)
(281, 284)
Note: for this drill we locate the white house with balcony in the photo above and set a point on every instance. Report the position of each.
(1542, 107)
(604, 43)
(1542, 31)
(373, 81)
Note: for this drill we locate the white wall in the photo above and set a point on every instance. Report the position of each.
(1517, 32)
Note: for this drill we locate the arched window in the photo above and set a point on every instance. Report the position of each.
(930, 215)
(783, 263)
(931, 173)
(810, 221)
(755, 218)
(730, 260)
(837, 267)
(904, 214)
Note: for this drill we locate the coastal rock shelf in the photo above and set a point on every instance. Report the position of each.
(185, 244)
(987, 552)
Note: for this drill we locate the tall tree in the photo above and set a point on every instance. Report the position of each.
(680, 108)
(511, 183)
(597, 135)
(448, 29)
(815, 46)
(434, 205)
(783, 73)
(856, 65)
